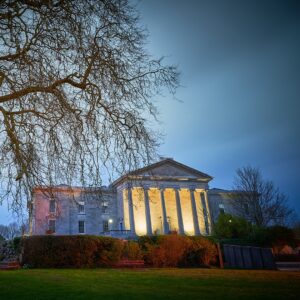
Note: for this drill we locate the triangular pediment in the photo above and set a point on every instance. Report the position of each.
(170, 168)
(166, 169)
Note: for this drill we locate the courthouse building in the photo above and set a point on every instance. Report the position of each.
(163, 197)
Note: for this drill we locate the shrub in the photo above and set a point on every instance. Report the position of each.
(170, 251)
(175, 250)
(17, 244)
(279, 236)
(131, 250)
(71, 251)
(202, 252)
(228, 227)
(145, 241)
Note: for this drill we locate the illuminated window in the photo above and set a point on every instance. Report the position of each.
(52, 206)
(51, 225)
(81, 208)
(105, 226)
(81, 227)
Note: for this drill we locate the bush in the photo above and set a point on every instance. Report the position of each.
(71, 251)
(170, 251)
(91, 251)
(202, 252)
(175, 250)
(131, 250)
(17, 244)
(230, 227)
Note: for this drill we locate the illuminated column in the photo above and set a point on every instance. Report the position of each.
(179, 212)
(207, 212)
(147, 211)
(131, 214)
(194, 209)
(164, 211)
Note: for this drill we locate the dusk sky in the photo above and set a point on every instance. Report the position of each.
(240, 75)
(240, 72)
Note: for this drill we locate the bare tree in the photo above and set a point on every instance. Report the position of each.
(76, 93)
(258, 200)
(10, 231)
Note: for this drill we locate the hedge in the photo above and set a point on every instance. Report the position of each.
(85, 251)
(178, 251)
(71, 251)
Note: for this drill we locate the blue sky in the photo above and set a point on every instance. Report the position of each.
(240, 74)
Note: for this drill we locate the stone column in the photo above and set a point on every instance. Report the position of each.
(195, 215)
(205, 214)
(147, 212)
(207, 211)
(131, 213)
(179, 213)
(164, 211)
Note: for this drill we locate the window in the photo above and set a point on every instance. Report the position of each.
(52, 225)
(81, 227)
(221, 209)
(105, 226)
(81, 208)
(104, 207)
(52, 206)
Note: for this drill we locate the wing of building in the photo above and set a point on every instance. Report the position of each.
(164, 197)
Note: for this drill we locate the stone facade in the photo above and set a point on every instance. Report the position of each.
(164, 197)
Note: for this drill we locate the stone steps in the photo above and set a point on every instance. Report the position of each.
(9, 265)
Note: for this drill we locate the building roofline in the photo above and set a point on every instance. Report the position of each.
(204, 177)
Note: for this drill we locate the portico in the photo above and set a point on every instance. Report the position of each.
(165, 198)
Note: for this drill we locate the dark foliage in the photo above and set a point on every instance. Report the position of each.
(231, 227)
(131, 251)
(178, 251)
(71, 251)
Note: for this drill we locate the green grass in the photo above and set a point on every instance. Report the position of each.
(148, 284)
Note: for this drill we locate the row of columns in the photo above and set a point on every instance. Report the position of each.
(164, 212)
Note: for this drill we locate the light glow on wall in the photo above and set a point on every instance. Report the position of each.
(156, 211)
(139, 211)
(187, 213)
(171, 208)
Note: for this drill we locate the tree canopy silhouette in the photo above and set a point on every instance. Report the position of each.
(76, 93)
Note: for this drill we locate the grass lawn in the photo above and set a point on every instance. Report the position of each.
(148, 284)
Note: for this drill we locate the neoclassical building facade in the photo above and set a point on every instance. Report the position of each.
(164, 197)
